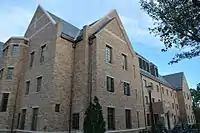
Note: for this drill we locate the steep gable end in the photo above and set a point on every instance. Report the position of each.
(40, 19)
(112, 23)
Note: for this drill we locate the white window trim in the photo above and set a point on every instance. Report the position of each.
(5, 92)
(110, 106)
(35, 106)
(39, 76)
(127, 108)
(122, 81)
(24, 108)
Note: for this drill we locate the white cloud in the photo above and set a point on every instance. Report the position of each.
(138, 31)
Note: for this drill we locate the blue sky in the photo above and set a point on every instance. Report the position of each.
(16, 15)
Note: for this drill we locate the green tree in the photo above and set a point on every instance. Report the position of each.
(94, 122)
(177, 23)
(196, 102)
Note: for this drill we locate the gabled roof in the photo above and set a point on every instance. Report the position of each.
(67, 28)
(159, 79)
(175, 79)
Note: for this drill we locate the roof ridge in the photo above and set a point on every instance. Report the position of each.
(174, 74)
(61, 19)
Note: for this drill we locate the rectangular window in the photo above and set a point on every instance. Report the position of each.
(146, 99)
(43, 48)
(156, 72)
(140, 62)
(1, 73)
(39, 84)
(126, 89)
(167, 92)
(32, 59)
(153, 100)
(143, 65)
(57, 107)
(151, 84)
(156, 118)
(111, 119)
(148, 120)
(163, 90)
(108, 54)
(27, 87)
(128, 118)
(110, 84)
(157, 88)
(138, 119)
(124, 63)
(147, 65)
(34, 119)
(10, 73)
(4, 102)
(75, 121)
(136, 94)
(171, 93)
(173, 105)
(15, 50)
(145, 83)
(23, 119)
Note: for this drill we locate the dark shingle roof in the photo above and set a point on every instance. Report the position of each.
(159, 79)
(175, 79)
(67, 28)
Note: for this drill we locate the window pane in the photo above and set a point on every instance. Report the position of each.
(10, 73)
(138, 118)
(43, 48)
(23, 119)
(126, 89)
(148, 120)
(75, 121)
(128, 119)
(110, 84)
(32, 59)
(27, 87)
(34, 119)
(57, 108)
(111, 118)
(140, 62)
(124, 63)
(15, 50)
(146, 99)
(157, 88)
(4, 102)
(1, 73)
(108, 54)
(39, 83)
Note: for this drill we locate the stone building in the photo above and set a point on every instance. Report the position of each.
(49, 76)
(172, 103)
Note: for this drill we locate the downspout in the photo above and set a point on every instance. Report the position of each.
(143, 101)
(71, 89)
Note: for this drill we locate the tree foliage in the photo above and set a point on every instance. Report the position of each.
(196, 96)
(177, 23)
(196, 102)
(94, 122)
